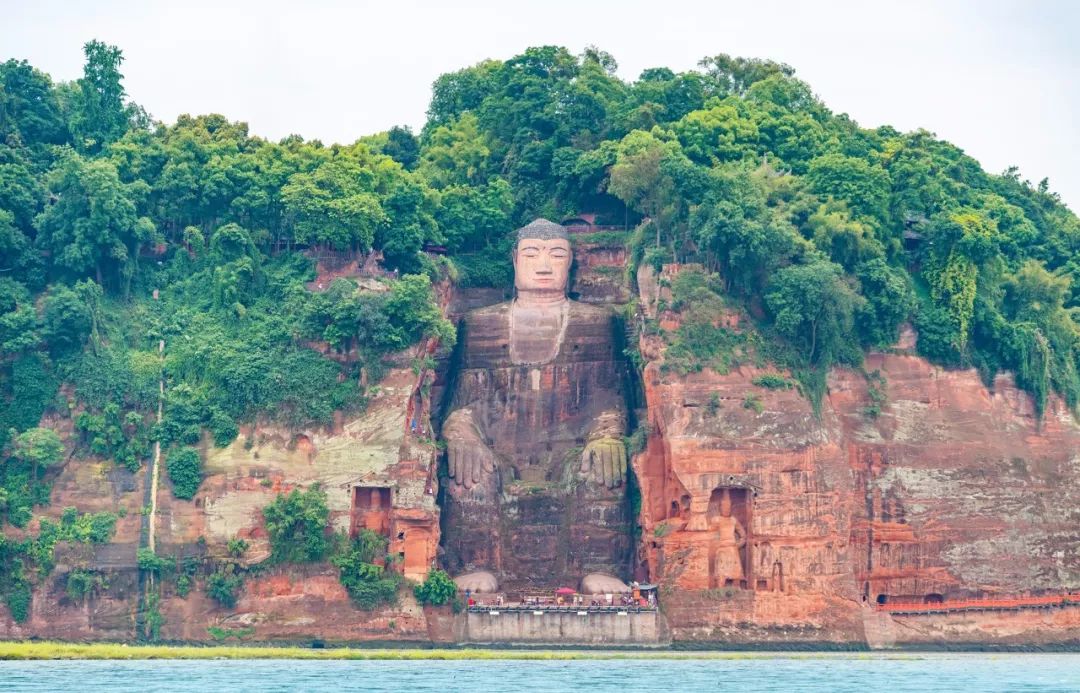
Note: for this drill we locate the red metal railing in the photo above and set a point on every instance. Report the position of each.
(1000, 604)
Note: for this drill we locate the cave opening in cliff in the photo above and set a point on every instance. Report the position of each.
(370, 510)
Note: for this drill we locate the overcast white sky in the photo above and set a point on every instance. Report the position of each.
(999, 79)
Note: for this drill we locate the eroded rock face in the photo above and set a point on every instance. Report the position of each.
(378, 470)
(953, 491)
(375, 470)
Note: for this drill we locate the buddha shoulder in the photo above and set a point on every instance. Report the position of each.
(587, 312)
(488, 316)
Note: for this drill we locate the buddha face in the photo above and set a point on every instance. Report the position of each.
(541, 265)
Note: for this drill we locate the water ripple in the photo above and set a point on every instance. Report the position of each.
(855, 674)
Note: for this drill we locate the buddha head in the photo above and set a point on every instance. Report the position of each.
(542, 258)
(725, 503)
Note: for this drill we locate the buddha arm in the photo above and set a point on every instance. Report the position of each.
(469, 459)
(604, 457)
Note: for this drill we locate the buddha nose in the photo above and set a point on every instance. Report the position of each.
(545, 265)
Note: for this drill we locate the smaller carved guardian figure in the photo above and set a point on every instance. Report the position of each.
(725, 560)
(536, 463)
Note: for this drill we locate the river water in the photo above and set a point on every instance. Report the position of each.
(857, 673)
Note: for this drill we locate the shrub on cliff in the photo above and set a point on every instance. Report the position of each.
(363, 572)
(18, 601)
(81, 584)
(296, 522)
(224, 587)
(22, 464)
(185, 472)
(438, 589)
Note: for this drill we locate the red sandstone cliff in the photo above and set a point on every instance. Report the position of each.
(953, 491)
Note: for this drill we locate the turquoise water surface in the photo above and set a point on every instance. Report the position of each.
(856, 673)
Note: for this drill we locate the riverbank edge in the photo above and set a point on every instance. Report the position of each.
(49, 650)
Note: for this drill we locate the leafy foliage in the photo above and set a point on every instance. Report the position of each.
(81, 584)
(772, 381)
(297, 525)
(223, 586)
(237, 547)
(29, 560)
(438, 588)
(364, 574)
(151, 562)
(185, 472)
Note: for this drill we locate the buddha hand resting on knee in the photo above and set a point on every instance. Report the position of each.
(604, 458)
(470, 461)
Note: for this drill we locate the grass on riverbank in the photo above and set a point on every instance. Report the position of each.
(61, 650)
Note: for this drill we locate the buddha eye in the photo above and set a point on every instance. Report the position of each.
(530, 251)
(558, 253)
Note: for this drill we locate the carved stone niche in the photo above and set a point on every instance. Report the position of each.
(728, 516)
(370, 510)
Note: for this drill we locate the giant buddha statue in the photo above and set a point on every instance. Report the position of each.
(535, 491)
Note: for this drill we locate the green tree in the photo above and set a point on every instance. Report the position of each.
(455, 154)
(18, 319)
(735, 75)
(438, 588)
(94, 225)
(29, 111)
(402, 146)
(1043, 343)
(66, 320)
(641, 180)
(862, 185)
(101, 115)
(890, 300)
(474, 217)
(962, 242)
(336, 205)
(297, 524)
(413, 314)
(740, 234)
(40, 448)
(185, 472)
(223, 586)
(813, 306)
(847, 241)
(363, 573)
(724, 132)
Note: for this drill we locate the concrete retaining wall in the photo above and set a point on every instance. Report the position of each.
(563, 628)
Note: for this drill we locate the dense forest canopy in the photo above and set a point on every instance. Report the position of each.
(827, 235)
